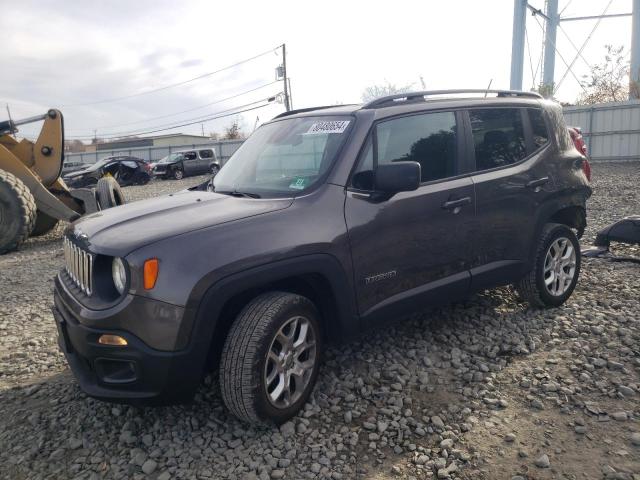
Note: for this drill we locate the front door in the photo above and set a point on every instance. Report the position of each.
(413, 248)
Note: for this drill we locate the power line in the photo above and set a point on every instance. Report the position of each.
(166, 87)
(533, 75)
(193, 121)
(188, 110)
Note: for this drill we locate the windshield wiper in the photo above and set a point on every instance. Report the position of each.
(236, 193)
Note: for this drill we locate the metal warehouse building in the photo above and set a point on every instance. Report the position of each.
(174, 140)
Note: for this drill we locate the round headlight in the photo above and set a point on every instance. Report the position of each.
(119, 273)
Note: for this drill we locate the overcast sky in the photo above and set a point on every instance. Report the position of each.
(80, 55)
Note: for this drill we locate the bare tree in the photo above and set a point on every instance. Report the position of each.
(233, 131)
(214, 135)
(608, 81)
(377, 91)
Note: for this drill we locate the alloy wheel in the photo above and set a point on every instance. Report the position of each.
(559, 266)
(291, 360)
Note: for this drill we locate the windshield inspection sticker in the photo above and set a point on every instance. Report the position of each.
(298, 183)
(337, 126)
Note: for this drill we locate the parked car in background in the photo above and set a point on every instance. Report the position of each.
(187, 162)
(326, 221)
(125, 169)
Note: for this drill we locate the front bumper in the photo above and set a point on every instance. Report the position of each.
(135, 373)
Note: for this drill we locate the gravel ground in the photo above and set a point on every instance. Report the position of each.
(483, 389)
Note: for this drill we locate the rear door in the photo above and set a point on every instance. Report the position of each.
(206, 156)
(411, 248)
(190, 162)
(508, 146)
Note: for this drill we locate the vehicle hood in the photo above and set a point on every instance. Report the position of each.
(120, 230)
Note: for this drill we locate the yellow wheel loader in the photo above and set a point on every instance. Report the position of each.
(33, 196)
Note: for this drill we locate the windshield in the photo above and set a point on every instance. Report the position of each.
(172, 157)
(284, 158)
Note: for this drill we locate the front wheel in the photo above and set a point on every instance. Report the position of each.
(178, 174)
(270, 358)
(556, 268)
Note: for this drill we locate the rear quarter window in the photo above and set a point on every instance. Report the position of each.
(539, 131)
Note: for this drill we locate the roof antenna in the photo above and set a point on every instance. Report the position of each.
(488, 87)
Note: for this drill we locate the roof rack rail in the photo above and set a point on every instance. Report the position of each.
(302, 110)
(409, 96)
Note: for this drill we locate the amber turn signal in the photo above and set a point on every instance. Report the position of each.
(150, 273)
(113, 340)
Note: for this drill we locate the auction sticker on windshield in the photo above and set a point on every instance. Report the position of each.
(335, 126)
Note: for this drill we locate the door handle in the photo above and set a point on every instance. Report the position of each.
(456, 204)
(535, 184)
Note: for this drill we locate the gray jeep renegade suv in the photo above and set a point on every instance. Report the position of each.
(325, 221)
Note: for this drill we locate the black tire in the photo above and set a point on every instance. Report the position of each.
(44, 224)
(17, 212)
(177, 173)
(108, 193)
(532, 287)
(243, 366)
(214, 170)
(145, 179)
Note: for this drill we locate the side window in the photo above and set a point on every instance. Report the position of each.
(206, 153)
(498, 137)
(189, 155)
(428, 139)
(538, 128)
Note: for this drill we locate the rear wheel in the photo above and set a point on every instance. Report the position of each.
(44, 224)
(109, 193)
(17, 212)
(556, 268)
(214, 170)
(270, 358)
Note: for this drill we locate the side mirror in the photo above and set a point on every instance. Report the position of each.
(398, 177)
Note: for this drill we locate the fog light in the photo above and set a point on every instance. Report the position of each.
(114, 340)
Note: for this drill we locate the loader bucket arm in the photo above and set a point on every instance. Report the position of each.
(39, 164)
(45, 200)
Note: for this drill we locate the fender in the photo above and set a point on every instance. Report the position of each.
(550, 207)
(211, 293)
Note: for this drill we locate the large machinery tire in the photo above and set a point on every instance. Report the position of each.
(17, 212)
(44, 224)
(109, 193)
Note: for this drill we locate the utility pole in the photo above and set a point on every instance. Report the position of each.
(634, 77)
(517, 43)
(287, 105)
(290, 95)
(548, 69)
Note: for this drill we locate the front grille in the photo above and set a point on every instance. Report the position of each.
(79, 266)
